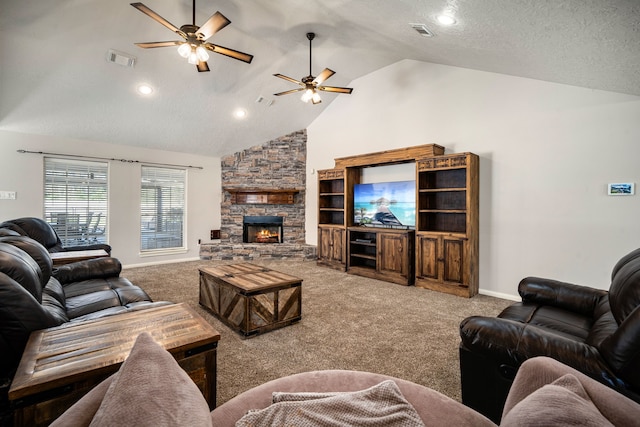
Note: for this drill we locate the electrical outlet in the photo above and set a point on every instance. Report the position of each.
(8, 195)
(215, 234)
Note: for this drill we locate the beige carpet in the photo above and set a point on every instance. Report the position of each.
(348, 322)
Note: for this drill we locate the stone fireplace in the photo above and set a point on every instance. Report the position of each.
(268, 180)
(262, 229)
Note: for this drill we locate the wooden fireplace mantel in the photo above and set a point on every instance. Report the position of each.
(273, 196)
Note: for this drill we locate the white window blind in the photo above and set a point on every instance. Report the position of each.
(75, 200)
(162, 202)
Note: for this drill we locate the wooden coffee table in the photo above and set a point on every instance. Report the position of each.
(61, 258)
(251, 299)
(61, 364)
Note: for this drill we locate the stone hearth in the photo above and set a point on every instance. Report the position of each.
(275, 166)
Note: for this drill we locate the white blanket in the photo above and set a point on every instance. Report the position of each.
(380, 405)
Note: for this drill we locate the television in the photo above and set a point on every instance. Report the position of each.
(385, 204)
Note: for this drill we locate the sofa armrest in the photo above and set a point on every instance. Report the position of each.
(511, 343)
(576, 298)
(538, 372)
(97, 268)
(105, 247)
(622, 349)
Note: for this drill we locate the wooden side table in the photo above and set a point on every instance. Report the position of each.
(62, 364)
(61, 258)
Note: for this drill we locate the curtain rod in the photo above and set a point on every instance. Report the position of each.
(106, 158)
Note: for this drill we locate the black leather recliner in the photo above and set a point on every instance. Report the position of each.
(41, 231)
(594, 331)
(31, 298)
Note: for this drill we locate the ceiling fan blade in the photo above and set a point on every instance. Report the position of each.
(289, 79)
(215, 23)
(289, 91)
(235, 54)
(335, 89)
(149, 45)
(202, 66)
(324, 75)
(150, 13)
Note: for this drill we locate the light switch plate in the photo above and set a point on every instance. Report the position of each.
(8, 195)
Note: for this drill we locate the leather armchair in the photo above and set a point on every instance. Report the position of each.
(596, 332)
(41, 231)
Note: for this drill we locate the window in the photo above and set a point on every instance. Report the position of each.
(75, 200)
(162, 208)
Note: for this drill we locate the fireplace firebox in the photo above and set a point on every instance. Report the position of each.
(262, 229)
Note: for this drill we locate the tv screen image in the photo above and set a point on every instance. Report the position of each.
(385, 204)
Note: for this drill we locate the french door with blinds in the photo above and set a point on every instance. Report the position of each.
(76, 200)
(162, 205)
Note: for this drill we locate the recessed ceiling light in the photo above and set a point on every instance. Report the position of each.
(144, 89)
(240, 113)
(446, 19)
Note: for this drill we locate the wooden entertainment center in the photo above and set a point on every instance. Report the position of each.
(441, 254)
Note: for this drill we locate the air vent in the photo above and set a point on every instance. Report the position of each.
(422, 30)
(121, 58)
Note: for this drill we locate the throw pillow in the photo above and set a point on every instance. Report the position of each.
(151, 389)
(564, 402)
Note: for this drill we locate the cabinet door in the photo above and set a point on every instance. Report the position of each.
(427, 257)
(392, 256)
(324, 243)
(337, 245)
(441, 258)
(453, 260)
(331, 244)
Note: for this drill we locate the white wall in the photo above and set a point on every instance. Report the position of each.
(547, 152)
(23, 173)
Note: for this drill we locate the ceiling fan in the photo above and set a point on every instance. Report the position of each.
(311, 85)
(194, 47)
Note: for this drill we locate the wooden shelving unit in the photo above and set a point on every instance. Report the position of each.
(441, 254)
(331, 197)
(447, 224)
(335, 210)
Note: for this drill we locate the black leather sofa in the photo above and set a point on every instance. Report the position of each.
(594, 331)
(42, 232)
(35, 296)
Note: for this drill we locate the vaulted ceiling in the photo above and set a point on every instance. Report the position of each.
(55, 79)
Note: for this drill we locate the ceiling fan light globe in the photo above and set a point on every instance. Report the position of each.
(202, 54)
(307, 95)
(184, 50)
(193, 57)
(316, 98)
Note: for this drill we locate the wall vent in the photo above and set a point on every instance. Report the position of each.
(121, 58)
(422, 30)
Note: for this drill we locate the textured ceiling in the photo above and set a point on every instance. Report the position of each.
(54, 79)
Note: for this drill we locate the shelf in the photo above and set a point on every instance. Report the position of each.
(266, 196)
(332, 209)
(363, 256)
(453, 222)
(452, 211)
(355, 242)
(443, 179)
(440, 190)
